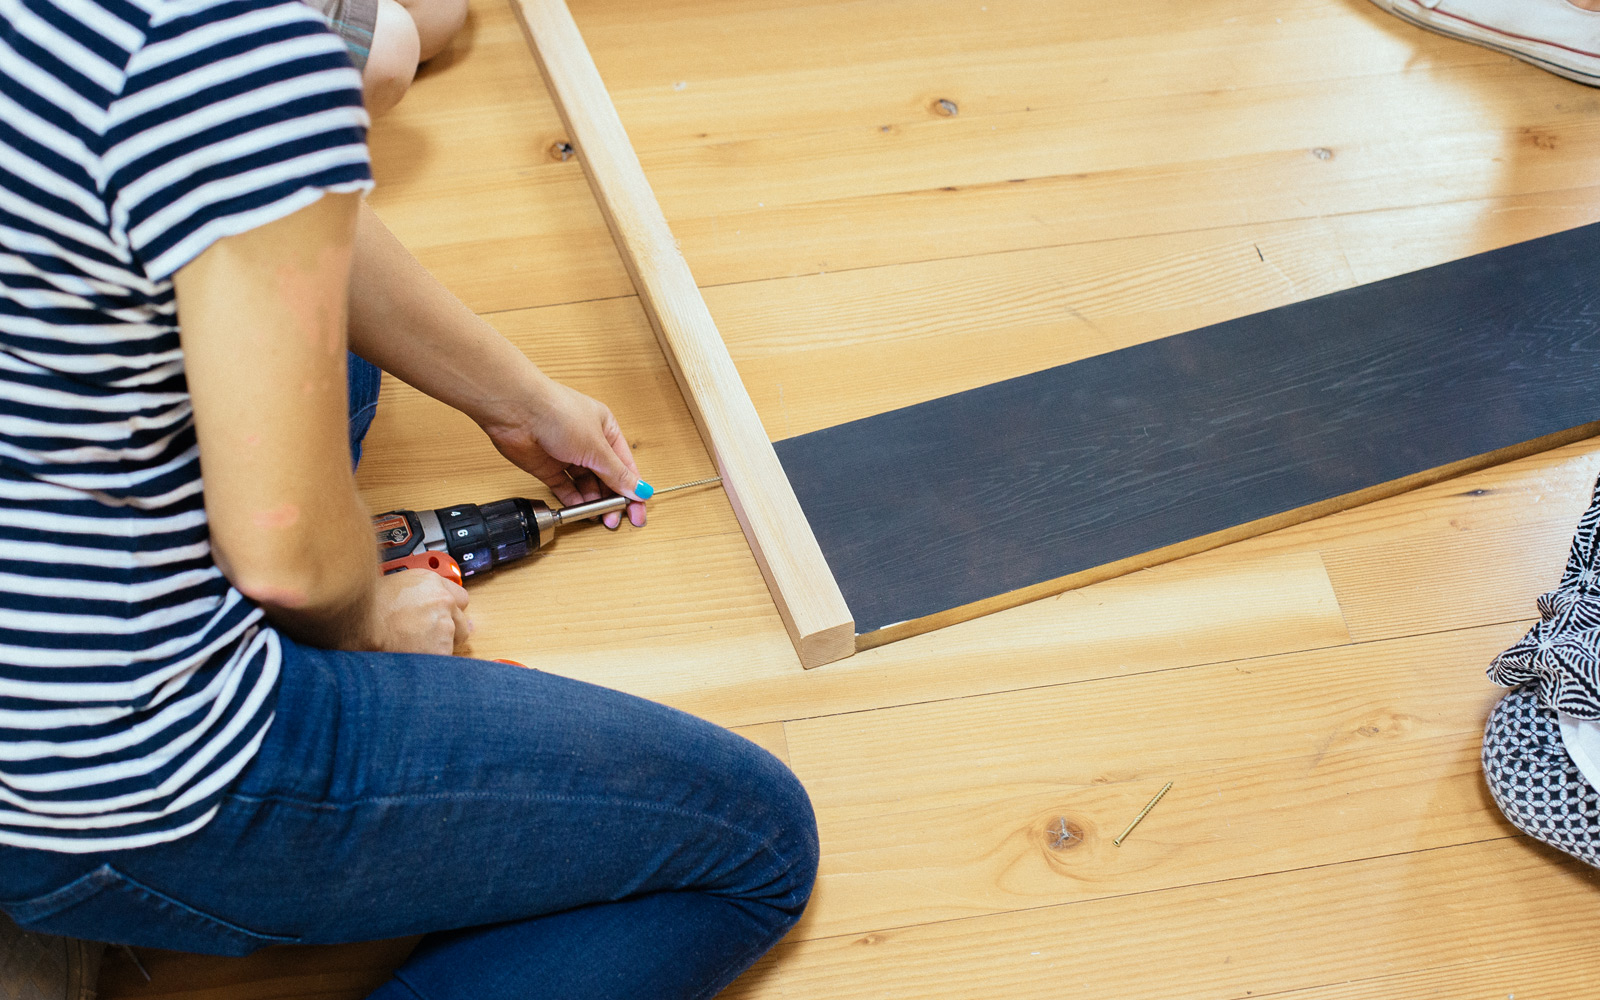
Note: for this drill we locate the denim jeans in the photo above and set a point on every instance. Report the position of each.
(551, 838)
(365, 379)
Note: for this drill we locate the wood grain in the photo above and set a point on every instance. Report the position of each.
(982, 500)
(1407, 915)
(808, 599)
(1371, 750)
(824, 349)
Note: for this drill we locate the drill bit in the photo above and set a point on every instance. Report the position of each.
(684, 486)
(594, 508)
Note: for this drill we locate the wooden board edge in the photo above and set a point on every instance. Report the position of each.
(803, 587)
(1261, 526)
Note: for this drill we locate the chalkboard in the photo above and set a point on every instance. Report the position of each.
(982, 499)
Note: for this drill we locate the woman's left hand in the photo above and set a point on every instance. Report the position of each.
(573, 444)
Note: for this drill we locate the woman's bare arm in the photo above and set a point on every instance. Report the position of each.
(262, 319)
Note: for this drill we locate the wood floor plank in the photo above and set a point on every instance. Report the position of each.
(824, 349)
(770, 737)
(693, 649)
(1566, 974)
(793, 168)
(870, 64)
(1273, 934)
(1475, 550)
(492, 211)
(720, 74)
(1342, 754)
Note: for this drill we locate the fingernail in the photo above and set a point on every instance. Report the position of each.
(644, 490)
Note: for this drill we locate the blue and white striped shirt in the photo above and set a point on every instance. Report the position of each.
(135, 683)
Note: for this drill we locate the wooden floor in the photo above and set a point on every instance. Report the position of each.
(890, 200)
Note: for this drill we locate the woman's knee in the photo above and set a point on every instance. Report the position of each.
(790, 831)
(392, 64)
(437, 21)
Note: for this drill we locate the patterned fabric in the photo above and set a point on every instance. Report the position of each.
(135, 683)
(1533, 779)
(1562, 652)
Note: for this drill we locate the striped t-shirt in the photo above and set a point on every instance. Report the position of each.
(135, 683)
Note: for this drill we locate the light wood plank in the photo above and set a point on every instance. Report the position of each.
(1272, 934)
(802, 586)
(1475, 550)
(1367, 750)
(823, 349)
(1498, 129)
(682, 639)
(742, 75)
(769, 737)
(1566, 974)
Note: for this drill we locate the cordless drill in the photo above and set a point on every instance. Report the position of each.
(465, 540)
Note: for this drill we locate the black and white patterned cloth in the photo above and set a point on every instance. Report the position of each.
(1533, 779)
(1560, 656)
(1553, 670)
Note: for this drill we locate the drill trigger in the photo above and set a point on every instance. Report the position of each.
(437, 562)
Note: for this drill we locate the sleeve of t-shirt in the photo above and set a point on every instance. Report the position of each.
(235, 113)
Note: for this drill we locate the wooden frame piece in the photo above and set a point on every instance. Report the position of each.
(780, 537)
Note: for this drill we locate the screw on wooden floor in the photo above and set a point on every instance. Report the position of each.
(1063, 834)
(1142, 814)
(946, 107)
(562, 151)
(1322, 153)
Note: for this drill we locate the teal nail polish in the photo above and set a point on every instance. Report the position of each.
(644, 490)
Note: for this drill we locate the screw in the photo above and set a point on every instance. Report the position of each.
(1063, 834)
(1322, 153)
(563, 151)
(1143, 813)
(946, 107)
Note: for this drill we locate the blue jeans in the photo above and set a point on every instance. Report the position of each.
(365, 379)
(552, 838)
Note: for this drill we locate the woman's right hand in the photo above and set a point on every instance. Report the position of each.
(416, 611)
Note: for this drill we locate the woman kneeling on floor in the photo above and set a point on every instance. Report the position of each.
(220, 728)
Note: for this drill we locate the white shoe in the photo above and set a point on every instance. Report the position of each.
(1552, 34)
(41, 967)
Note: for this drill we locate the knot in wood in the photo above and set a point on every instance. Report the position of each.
(1064, 834)
(562, 150)
(945, 106)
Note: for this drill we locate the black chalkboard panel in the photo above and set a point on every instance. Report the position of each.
(989, 497)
